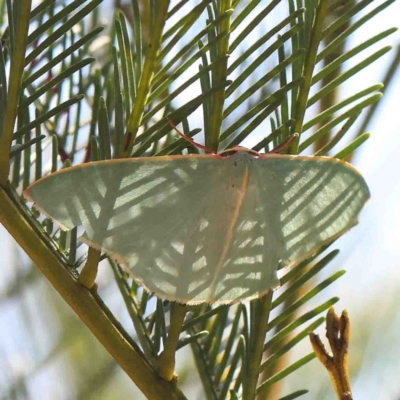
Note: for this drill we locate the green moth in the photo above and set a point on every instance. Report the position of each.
(206, 228)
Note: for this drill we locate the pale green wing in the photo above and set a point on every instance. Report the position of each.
(316, 199)
(169, 219)
(292, 207)
(203, 229)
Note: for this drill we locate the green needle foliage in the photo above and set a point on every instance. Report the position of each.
(72, 91)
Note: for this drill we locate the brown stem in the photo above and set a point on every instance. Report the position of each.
(338, 334)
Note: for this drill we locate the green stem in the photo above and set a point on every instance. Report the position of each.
(259, 325)
(89, 271)
(149, 67)
(308, 70)
(166, 361)
(15, 219)
(14, 89)
(220, 75)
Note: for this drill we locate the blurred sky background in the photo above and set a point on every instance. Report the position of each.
(370, 290)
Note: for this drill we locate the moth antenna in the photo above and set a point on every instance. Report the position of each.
(190, 140)
(284, 144)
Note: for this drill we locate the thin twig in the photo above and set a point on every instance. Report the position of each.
(338, 334)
